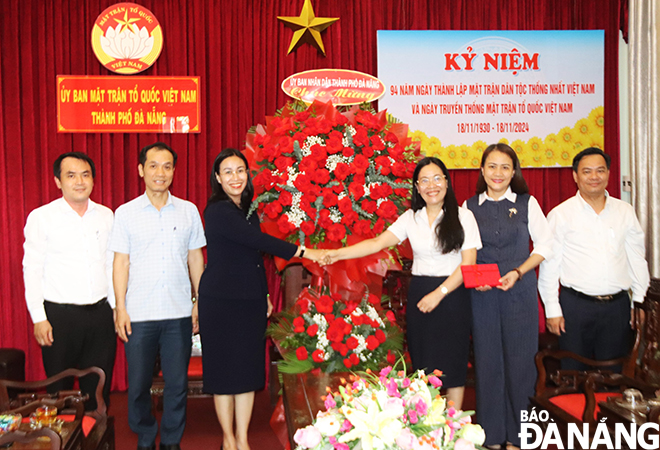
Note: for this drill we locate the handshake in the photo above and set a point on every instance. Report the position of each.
(323, 257)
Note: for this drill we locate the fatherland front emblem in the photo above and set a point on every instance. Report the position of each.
(127, 38)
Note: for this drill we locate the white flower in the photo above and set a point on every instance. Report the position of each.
(127, 44)
(473, 433)
(327, 423)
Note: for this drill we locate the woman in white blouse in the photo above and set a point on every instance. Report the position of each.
(505, 320)
(443, 237)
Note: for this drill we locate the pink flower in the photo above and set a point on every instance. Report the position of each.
(413, 416)
(392, 389)
(406, 382)
(385, 371)
(308, 437)
(341, 446)
(435, 381)
(329, 402)
(406, 439)
(421, 407)
(346, 426)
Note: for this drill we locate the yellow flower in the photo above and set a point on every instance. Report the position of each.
(503, 141)
(417, 135)
(583, 127)
(479, 147)
(551, 139)
(518, 146)
(566, 136)
(535, 144)
(373, 423)
(597, 118)
(435, 414)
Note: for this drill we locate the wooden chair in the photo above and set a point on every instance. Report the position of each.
(27, 437)
(98, 428)
(572, 396)
(195, 382)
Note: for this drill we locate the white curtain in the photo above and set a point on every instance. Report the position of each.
(644, 33)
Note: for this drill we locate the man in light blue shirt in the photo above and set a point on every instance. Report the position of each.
(157, 239)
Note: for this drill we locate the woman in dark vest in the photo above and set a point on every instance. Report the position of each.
(505, 320)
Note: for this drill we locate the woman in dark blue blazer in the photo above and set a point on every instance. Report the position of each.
(233, 296)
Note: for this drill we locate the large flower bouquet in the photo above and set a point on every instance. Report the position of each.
(324, 333)
(390, 411)
(328, 178)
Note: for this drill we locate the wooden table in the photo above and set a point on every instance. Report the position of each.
(71, 434)
(302, 397)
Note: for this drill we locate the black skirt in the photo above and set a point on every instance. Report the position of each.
(439, 339)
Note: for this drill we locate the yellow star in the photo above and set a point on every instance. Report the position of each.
(307, 28)
(127, 23)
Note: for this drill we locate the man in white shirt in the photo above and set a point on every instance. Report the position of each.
(599, 256)
(157, 239)
(67, 271)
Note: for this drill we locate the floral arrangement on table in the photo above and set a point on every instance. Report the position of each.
(390, 411)
(322, 333)
(329, 178)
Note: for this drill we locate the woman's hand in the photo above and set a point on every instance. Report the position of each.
(483, 288)
(269, 311)
(509, 280)
(330, 257)
(430, 301)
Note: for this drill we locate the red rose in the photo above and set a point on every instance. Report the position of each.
(355, 359)
(399, 169)
(345, 205)
(349, 218)
(329, 198)
(298, 325)
(338, 188)
(360, 138)
(342, 170)
(390, 316)
(303, 183)
(352, 343)
(391, 137)
(384, 163)
(336, 232)
(357, 320)
(347, 152)
(301, 353)
(285, 198)
(369, 206)
(307, 165)
(372, 343)
(362, 227)
(391, 357)
(377, 143)
(396, 152)
(324, 304)
(340, 120)
(273, 210)
(324, 218)
(303, 304)
(283, 162)
(348, 363)
(285, 144)
(270, 152)
(334, 143)
(361, 163)
(321, 176)
(281, 125)
(284, 225)
(317, 356)
(343, 349)
(359, 178)
(307, 228)
(380, 335)
(356, 189)
(373, 299)
(378, 227)
(387, 210)
(368, 151)
(313, 329)
(301, 116)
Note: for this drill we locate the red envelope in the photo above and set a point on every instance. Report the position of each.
(481, 275)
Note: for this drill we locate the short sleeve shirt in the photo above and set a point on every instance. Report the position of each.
(157, 243)
(428, 259)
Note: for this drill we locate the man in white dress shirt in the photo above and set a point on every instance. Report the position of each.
(599, 257)
(68, 277)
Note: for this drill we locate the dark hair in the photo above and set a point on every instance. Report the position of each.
(57, 165)
(591, 151)
(449, 231)
(518, 183)
(218, 193)
(142, 157)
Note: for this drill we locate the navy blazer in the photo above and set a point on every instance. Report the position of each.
(235, 268)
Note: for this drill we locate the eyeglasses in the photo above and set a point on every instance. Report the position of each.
(425, 182)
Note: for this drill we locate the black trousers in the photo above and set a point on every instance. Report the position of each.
(83, 336)
(596, 330)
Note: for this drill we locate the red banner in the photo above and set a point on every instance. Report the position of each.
(113, 104)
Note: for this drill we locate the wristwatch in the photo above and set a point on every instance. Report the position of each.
(302, 250)
(444, 290)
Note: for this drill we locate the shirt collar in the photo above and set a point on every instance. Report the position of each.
(145, 202)
(584, 203)
(64, 205)
(423, 215)
(508, 195)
